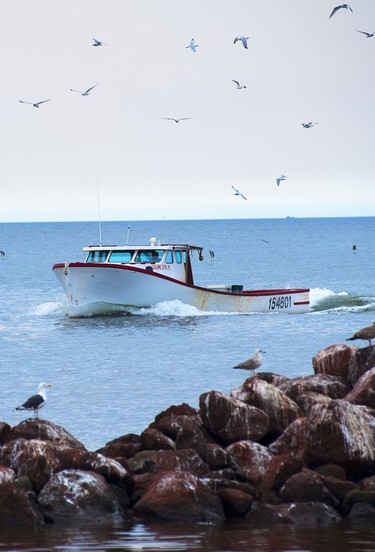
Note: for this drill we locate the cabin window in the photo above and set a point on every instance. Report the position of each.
(177, 256)
(169, 257)
(97, 256)
(120, 256)
(149, 256)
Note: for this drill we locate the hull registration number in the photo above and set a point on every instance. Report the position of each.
(283, 302)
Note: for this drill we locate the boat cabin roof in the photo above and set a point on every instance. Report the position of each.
(164, 246)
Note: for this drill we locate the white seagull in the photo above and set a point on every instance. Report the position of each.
(99, 42)
(282, 177)
(177, 120)
(243, 39)
(367, 35)
(35, 402)
(238, 193)
(36, 104)
(309, 124)
(252, 363)
(239, 86)
(193, 46)
(85, 92)
(341, 6)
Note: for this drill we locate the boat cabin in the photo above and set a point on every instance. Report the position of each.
(172, 260)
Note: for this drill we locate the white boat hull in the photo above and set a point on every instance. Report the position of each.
(97, 288)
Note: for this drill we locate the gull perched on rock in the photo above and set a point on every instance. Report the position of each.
(239, 86)
(309, 124)
(282, 177)
(238, 193)
(243, 39)
(367, 334)
(192, 45)
(99, 42)
(35, 402)
(341, 6)
(367, 35)
(36, 104)
(252, 363)
(84, 92)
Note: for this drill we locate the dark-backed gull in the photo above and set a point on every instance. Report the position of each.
(35, 402)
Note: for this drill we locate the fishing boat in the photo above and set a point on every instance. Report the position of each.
(114, 278)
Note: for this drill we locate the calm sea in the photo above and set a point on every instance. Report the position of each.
(113, 375)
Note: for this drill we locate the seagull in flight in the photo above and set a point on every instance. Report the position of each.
(238, 193)
(239, 86)
(367, 35)
(243, 39)
(309, 124)
(99, 42)
(193, 46)
(282, 177)
(36, 104)
(85, 92)
(341, 6)
(266, 241)
(177, 120)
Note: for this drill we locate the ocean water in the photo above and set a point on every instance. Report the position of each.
(112, 375)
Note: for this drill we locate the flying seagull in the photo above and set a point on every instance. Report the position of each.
(367, 334)
(192, 45)
(177, 120)
(238, 193)
(36, 104)
(282, 177)
(309, 124)
(252, 363)
(266, 241)
(239, 86)
(99, 42)
(367, 35)
(36, 401)
(243, 39)
(85, 92)
(341, 6)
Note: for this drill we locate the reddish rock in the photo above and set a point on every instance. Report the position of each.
(37, 470)
(332, 470)
(232, 420)
(194, 435)
(156, 461)
(307, 400)
(235, 502)
(364, 361)
(278, 471)
(114, 472)
(6, 475)
(336, 360)
(274, 379)
(364, 390)
(43, 430)
(339, 488)
(122, 448)
(339, 433)
(5, 433)
(307, 486)
(171, 421)
(331, 386)
(153, 439)
(17, 507)
(79, 497)
(181, 497)
(214, 455)
(310, 514)
(280, 409)
(249, 460)
(293, 441)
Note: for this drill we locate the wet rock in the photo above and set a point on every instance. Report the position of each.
(356, 497)
(18, 507)
(153, 439)
(172, 421)
(307, 486)
(364, 361)
(79, 497)
(249, 460)
(336, 360)
(5, 432)
(339, 433)
(362, 513)
(114, 472)
(180, 496)
(6, 475)
(235, 501)
(280, 409)
(307, 400)
(37, 429)
(331, 386)
(367, 483)
(364, 390)
(332, 470)
(168, 460)
(122, 448)
(232, 420)
(303, 514)
(292, 442)
(279, 469)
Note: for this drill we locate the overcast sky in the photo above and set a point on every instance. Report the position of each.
(300, 66)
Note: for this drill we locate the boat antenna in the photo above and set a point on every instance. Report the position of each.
(127, 237)
(100, 222)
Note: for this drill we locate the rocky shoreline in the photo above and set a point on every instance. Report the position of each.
(274, 451)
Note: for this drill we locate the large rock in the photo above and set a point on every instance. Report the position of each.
(339, 433)
(331, 386)
(180, 496)
(43, 430)
(157, 461)
(18, 507)
(336, 360)
(292, 442)
(303, 514)
(280, 409)
(249, 460)
(232, 420)
(364, 390)
(122, 448)
(79, 497)
(307, 486)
